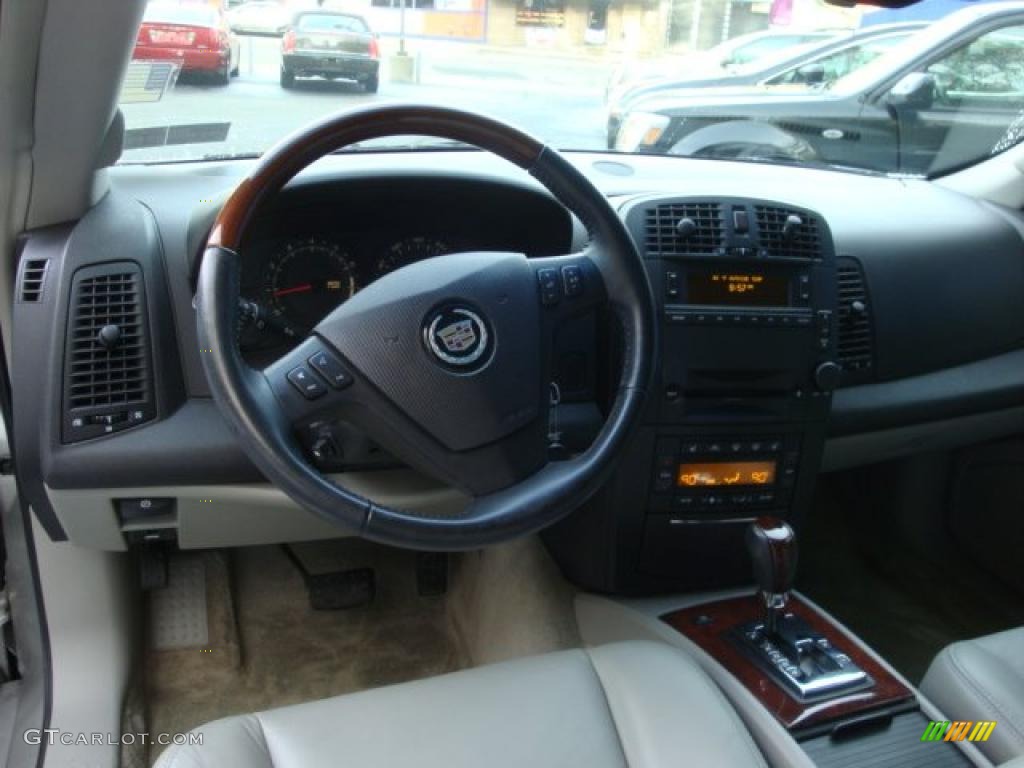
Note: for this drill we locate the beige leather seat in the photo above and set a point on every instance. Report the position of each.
(626, 704)
(983, 679)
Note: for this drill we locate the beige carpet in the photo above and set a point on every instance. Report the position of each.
(283, 652)
(268, 648)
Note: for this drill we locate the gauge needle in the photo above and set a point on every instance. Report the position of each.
(294, 289)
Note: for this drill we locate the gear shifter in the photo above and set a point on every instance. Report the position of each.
(772, 546)
(783, 643)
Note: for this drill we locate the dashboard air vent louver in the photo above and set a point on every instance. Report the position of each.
(107, 369)
(784, 232)
(685, 228)
(33, 275)
(856, 342)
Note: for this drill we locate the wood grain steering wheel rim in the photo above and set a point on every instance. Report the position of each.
(402, 395)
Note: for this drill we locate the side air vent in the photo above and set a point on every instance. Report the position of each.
(683, 229)
(108, 383)
(784, 232)
(856, 340)
(33, 276)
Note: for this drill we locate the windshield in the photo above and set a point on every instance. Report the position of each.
(311, 22)
(169, 13)
(780, 82)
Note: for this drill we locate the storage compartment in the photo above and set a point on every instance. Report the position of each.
(700, 554)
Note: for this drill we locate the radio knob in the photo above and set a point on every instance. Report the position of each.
(827, 375)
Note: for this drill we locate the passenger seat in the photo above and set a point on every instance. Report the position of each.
(983, 679)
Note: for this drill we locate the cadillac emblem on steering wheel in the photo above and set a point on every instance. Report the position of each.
(458, 337)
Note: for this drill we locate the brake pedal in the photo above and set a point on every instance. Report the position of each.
(336, 590)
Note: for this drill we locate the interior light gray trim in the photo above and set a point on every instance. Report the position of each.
(31, 694)
(90, 601)
(872, 447)
(72, 64)
(20, 30)
(241, 515)
(603, 620)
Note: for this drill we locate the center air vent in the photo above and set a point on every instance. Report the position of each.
(107, 383)
(33, 276)
(856, 340)
(682, 229)
(785, 232)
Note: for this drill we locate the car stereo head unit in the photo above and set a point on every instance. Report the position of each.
(737, 285)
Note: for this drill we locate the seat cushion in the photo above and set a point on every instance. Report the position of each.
(983, 679)
(625, 704)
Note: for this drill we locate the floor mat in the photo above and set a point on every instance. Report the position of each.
(906, 608)
(282, 652)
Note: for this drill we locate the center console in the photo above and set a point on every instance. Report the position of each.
(809, 691)
(735, 424)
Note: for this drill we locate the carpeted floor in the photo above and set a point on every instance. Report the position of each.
(268, 648)
(282, 652)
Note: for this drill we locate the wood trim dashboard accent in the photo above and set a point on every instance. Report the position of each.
(708, 626)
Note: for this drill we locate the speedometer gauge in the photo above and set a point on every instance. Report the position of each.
(305, 280)
(408, 251)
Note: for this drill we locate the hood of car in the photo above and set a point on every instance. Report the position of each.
(686, 100)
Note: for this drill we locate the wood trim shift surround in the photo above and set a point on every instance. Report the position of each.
(708, 626)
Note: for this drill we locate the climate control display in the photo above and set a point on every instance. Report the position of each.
(725, 473)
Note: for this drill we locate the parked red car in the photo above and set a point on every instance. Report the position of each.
(195, 34)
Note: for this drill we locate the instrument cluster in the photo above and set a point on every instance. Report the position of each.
(297, 281)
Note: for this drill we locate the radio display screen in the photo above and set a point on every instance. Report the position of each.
(710, 474)
(739, 288)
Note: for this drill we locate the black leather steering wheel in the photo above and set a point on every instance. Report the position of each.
(443, 362)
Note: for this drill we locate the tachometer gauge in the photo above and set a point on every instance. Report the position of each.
(304, 281)
(408, 251)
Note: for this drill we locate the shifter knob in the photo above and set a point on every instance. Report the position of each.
(772, 546)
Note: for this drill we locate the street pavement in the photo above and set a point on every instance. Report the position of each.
(556, 97)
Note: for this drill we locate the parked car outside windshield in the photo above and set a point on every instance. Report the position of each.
(920, 99)
(811, 64)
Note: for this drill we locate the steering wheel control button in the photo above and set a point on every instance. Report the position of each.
(572, 280)
(458, 338)
(308, 385)
(328, 367)
(550, 290)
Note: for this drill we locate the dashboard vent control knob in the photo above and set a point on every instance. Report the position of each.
(686, 227)
(858, 307)
(109, 337)
(791, 226)
(827, 375)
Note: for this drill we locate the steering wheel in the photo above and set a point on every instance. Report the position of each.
(445, 362)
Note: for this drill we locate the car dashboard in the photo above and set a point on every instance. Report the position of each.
(317, 247)
(809, 321)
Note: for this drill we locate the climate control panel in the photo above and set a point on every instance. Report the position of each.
(736, 474)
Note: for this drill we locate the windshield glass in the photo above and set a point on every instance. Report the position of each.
(170, 13)
(854, 88)
(320, 22)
